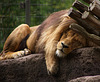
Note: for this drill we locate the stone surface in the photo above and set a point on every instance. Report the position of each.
(87, 79)
(79, 63)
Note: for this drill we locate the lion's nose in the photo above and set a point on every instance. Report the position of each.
(64, 46)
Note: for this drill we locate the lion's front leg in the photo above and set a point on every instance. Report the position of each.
(11, 55)
(20, 53)
(52, 61)
(52, 64)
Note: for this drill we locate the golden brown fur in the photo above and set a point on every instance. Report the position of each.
(52, 37)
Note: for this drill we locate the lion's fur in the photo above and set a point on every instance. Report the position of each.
(14, 39)
(47, 38)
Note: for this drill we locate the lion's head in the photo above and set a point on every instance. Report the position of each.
(68, 42)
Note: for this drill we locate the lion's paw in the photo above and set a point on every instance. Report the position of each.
(21, 53)
(52, 69)
(27, 51)
(17, 55)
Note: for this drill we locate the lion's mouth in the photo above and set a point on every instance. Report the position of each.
(60, 53)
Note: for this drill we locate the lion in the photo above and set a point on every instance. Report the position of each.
(53, 38)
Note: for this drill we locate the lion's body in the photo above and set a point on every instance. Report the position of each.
(52, 37)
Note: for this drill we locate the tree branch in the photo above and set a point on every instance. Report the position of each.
(79, 29)
(91, 20)
(95, 8)
(77, 16)
(80, 6)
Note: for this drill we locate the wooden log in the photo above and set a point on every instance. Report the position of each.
(77, 16)
(79, 29)
(88, 1)
(97, 1)
(74, 14)
(94, 7)
(80, 6)
(91, 20)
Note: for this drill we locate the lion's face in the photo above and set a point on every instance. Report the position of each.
(68, 43)
(63, 48)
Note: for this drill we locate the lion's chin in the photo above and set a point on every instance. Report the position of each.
(60, 54)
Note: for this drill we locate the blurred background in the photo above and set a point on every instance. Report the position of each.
(32, 12)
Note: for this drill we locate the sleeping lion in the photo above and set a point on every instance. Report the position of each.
(53, 38)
